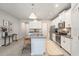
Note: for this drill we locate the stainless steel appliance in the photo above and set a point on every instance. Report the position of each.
(58, 39)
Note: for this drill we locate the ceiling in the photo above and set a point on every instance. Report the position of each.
(44, 11)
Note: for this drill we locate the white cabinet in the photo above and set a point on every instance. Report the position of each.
(64, 16)
(67, 18)
(75, 46)
(54, 37)
(75, 29)
(35, 24)
(62, 41)
(37, 46)
(66, 43)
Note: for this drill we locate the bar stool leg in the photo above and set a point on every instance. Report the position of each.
(4, 42)
(12, 38)
(9, 40)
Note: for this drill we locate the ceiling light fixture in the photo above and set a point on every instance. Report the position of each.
(32, 16)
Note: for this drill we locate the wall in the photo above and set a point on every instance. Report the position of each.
(35, 24)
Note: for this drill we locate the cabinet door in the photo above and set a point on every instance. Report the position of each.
(37, 46)
(67, 18)
(75, 46)
(68, 45)
(35, 24)
(62, 41)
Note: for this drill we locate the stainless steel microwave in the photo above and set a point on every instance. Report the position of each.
(61, 25)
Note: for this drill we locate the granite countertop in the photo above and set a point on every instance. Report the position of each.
(37, 36)
(67, 36)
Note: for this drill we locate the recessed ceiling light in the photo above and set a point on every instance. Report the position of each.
(56, 5)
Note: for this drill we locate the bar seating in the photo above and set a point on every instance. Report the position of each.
(27, 44)
(9, 37)
(6, 36)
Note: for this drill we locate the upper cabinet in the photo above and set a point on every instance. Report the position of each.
(64, 16)
(35, 24)
(67, 18)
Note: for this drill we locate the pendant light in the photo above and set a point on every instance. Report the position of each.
(32, 15)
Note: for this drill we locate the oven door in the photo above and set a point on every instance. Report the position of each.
(58, 39)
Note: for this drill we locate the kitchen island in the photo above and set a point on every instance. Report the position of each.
(37, 45)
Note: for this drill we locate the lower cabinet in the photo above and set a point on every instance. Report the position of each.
(66, 43)
(37, 46)
(54, 37)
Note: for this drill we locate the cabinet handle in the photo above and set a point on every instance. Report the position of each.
(78, 37)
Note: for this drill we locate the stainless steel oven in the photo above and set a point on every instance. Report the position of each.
(58, 39)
